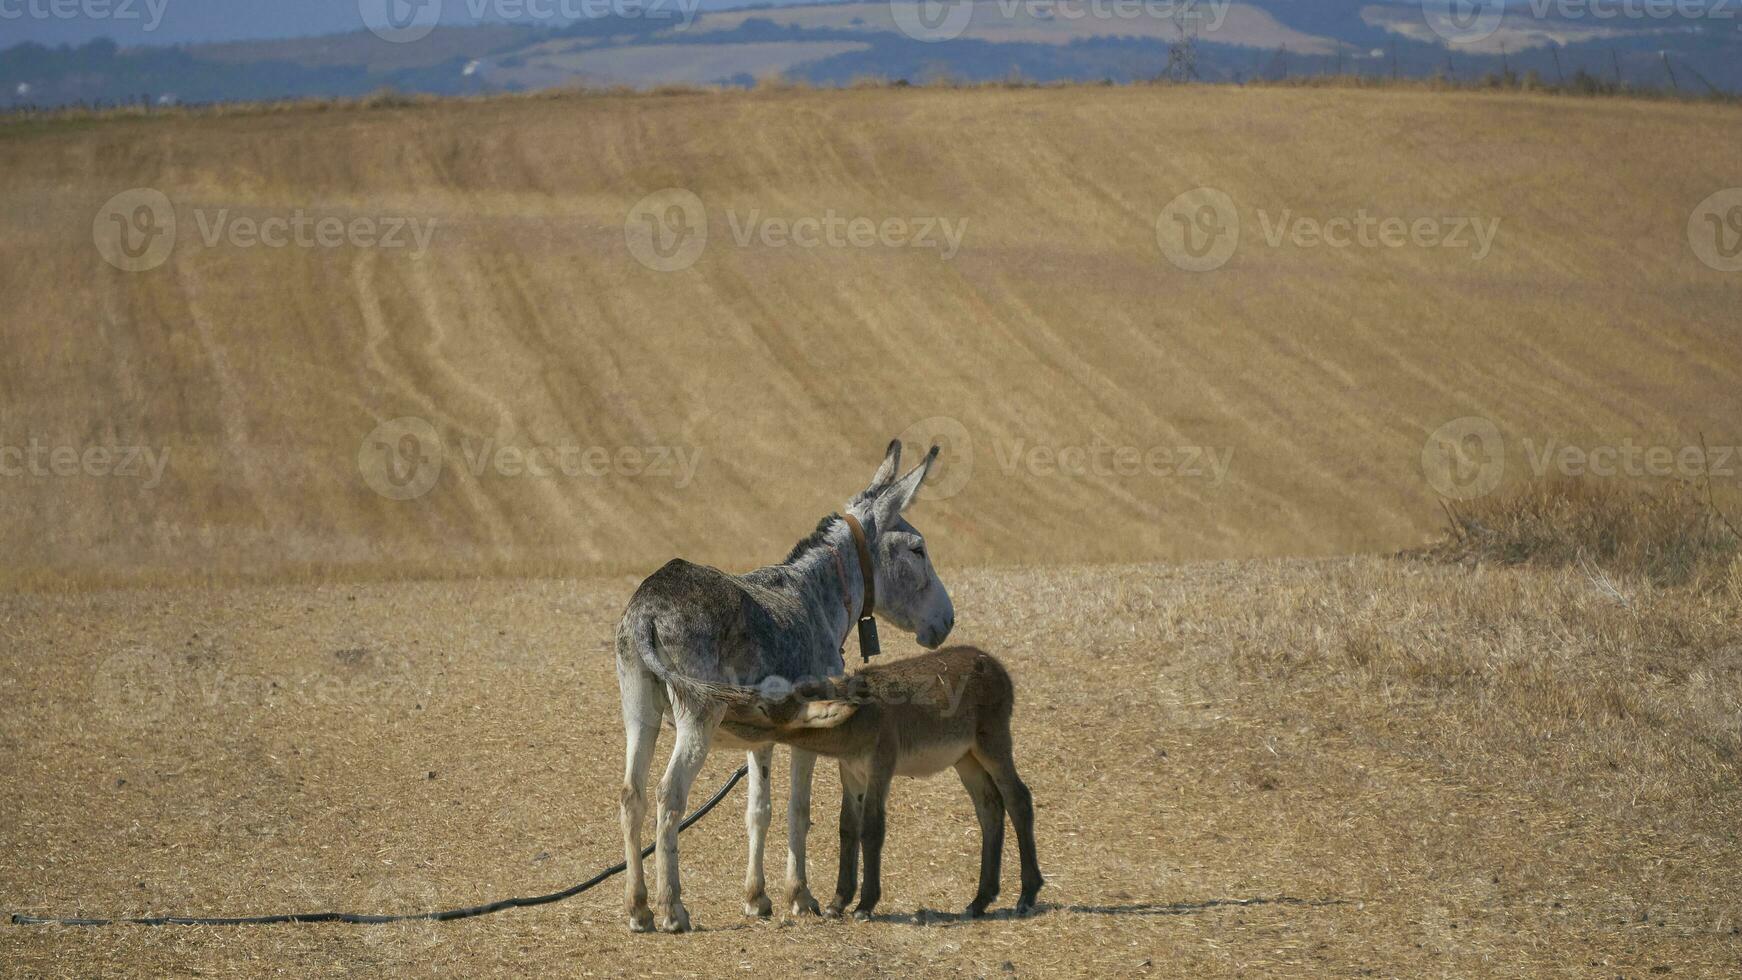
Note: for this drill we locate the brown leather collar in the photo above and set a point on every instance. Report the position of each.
(864, 549)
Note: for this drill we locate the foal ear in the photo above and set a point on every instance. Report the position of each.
(901, 493)
(886, 472)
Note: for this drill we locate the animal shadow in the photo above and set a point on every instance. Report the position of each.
(936, 919)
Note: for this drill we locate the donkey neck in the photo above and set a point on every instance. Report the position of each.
(825, 569)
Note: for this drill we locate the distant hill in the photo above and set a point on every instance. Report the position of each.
(586, 395)
(835, 43)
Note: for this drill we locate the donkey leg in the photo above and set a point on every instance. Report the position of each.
(695, 731)
(756, 815)
(852, 807)
(798, 825)
(643, 706)
(999, 760)
(989, 808)
(882, 771)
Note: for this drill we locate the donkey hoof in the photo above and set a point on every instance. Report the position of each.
(641, 920)
(1025, 908)
(974, 911)
(861, 915)
(804, 904)
(833, 910)
(759, 907)
(677, 919)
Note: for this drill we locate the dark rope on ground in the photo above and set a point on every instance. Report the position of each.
(446, 915)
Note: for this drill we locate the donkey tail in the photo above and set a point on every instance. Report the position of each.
(786, 716)
(646, 644)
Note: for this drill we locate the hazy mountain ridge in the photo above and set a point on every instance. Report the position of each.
(836, 43)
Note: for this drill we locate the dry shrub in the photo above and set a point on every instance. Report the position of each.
(1670, 534)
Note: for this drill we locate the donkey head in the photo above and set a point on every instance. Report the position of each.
(909, 594)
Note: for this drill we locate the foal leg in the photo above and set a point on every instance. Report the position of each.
(695, 730)
(643, 706)
(989, 807)
(852, 807)
(996, 755)
(882, 771)
(798, 825)
(756, 815)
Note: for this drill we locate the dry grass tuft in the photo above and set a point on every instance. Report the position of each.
(1671, 534)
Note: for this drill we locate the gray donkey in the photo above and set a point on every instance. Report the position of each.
(696, 640)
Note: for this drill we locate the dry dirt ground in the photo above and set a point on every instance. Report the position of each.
(1333, 767)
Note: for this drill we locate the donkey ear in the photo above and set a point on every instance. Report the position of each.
(900, 494)
(886, 472)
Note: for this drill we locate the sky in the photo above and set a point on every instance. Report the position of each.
(188, 21)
